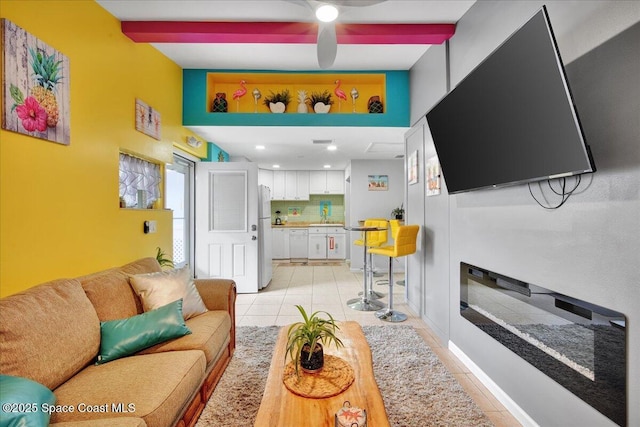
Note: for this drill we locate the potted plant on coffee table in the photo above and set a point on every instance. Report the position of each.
(277, 102)
(305, 340)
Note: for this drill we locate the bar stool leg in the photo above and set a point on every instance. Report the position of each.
(364, 303)
(389, 314)
(371, 294)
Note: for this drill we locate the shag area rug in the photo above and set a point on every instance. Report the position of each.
(417, 389)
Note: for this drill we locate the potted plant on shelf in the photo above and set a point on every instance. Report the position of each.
(398, 213)
(321, 102)
(305, 340)
(277, 102)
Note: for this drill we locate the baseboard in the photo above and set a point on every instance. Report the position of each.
(497, 392)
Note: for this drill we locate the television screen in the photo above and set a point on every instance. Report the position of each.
(512, 119)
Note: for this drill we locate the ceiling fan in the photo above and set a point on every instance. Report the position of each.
(327, 11)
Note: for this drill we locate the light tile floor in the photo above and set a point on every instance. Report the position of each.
(326, 286)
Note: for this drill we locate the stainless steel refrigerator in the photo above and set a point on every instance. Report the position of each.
(265, 269)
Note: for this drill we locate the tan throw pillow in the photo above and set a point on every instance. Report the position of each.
(161, 288)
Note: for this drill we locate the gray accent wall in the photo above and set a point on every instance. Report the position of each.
(590, 247)
(365, 204)
(430, 265)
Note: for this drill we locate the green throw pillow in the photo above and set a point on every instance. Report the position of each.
(24, 402)
(123, 337)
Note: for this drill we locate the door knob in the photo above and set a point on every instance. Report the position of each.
(254, 227)
(254, 238)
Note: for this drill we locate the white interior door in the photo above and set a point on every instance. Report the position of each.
(227, 223)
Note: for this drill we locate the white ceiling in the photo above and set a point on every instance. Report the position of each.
(292, 147)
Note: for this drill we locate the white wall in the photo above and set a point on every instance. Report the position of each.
(589, 248)
(373, 204)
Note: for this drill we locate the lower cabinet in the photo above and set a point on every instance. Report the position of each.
(280, 243)
(318, 246)
(327, 243)
(336, 246)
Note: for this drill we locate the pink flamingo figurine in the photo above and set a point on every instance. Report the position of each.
(239, 94)
(340, 94)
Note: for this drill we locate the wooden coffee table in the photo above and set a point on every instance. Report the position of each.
(280, 407)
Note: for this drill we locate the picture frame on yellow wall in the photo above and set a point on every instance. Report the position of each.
(148, 120)
(35, 86)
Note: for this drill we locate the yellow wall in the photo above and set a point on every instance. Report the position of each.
(59, 209)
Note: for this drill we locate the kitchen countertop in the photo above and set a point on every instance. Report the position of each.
(308, 224)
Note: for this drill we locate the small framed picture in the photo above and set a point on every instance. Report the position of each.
(147, 120)
(412, 169)
(433, 176)
(378, 182)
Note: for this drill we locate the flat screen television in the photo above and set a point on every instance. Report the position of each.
(512, 119)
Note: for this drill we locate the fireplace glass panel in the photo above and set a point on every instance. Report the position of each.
(578, 344)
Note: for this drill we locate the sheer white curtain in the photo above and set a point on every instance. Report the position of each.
(137, 174)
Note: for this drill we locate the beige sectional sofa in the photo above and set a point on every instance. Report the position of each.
(51, 334)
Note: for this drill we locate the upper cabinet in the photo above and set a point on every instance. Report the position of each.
(265, 177)
(326, 182)
(290, 185)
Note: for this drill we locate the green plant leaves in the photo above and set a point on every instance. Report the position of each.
(312, 330)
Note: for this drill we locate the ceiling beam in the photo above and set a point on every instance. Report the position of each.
(282, 32)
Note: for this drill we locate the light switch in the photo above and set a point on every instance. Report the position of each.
(150, 227)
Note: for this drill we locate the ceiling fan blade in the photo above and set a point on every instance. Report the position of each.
(354, 3)
(301, 3)
(327, 44)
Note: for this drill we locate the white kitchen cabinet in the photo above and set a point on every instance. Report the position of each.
(294, 185)
(278, 190)
(336, 245)
(302, 188)
(327, 243)
(280, 243)
(326, 182)
(290, 185)
(265, 177)
(335, 182)
(318, 246)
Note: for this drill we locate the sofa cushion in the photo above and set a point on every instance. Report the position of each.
(110, 292)
(22, 402)
(123, 337)
(48, 332)
(209, 333)
(162, 287)
(157, 385)
(111, 295)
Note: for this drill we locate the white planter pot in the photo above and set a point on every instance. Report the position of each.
(320, 108)
(277, 107)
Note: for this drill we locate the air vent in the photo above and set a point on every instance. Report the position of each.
(322, 141)
(399, 156)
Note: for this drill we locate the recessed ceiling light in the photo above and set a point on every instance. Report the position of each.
(332, 148)
(276, 166)
(327, 166)
(260, 147)
(327, 13)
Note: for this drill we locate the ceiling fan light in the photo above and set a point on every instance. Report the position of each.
(327, 13)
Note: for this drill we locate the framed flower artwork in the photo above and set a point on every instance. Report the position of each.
(35, 86)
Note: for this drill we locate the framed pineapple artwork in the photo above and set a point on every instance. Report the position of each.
(35, 86)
